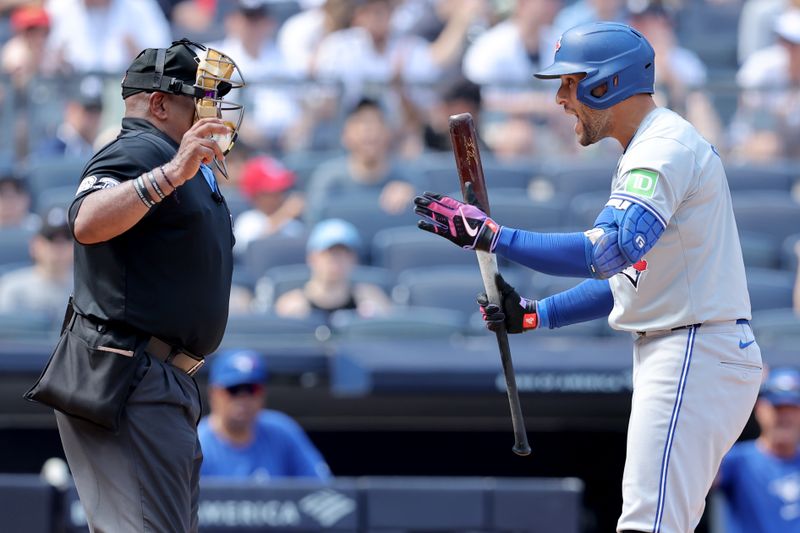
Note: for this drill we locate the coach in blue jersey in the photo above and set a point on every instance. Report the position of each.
(662, 261)
(761, 478)
(240, 438)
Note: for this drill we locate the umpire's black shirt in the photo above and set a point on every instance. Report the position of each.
(170, 274)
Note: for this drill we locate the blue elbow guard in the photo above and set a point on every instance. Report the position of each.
(626, 236)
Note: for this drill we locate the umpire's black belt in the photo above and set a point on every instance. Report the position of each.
(182, 360)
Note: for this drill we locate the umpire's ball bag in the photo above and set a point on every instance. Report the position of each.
(92, 371)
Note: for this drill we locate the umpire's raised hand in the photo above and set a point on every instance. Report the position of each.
(517, 313)
(198, 147)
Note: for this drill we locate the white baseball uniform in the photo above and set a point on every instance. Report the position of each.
(696, 367)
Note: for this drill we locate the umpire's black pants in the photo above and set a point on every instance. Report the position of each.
(145, 478)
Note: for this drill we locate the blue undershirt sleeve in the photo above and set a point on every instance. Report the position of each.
(586, 301)
(559, 254)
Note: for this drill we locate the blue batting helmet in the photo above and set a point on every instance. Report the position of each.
(608, 53)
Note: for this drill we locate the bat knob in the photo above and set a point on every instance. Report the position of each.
(522, 449)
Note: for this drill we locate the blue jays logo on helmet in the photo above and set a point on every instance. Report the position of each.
(608, 53)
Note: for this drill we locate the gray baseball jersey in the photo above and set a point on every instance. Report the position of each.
(695, 272)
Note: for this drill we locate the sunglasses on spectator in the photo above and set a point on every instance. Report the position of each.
(242, 389)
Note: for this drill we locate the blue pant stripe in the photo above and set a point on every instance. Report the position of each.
(673, 423)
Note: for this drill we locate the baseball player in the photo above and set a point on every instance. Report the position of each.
(663, 262)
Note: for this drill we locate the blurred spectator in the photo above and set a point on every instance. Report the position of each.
(796, 293)
(299, 37)
(24, 55)
(680, 73)
(265, 182)
(78, 131)
(756, 24)
(761, 479)
(198, 20)
(767, 122)
(584, 11)
(45, 286)
(462, 96)
(369, 53)
(104, 35)
(366, 168)
(241, 439)
(513, 139)
(511, 51)
(15, 204)
(332, 254)
(250, 38)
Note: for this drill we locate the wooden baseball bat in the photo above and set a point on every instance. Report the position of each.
(470, 170)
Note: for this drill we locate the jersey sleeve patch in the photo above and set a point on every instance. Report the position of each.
(95, 183)
(641, 182)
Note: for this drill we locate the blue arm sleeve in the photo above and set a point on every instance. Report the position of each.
(586, 301)
(559, 254)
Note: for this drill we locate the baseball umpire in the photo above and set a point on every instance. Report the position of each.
(153, 263)
(664, 263)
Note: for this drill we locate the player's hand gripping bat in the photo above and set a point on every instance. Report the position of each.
(470, 170)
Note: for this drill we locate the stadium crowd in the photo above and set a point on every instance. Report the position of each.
(347, 104)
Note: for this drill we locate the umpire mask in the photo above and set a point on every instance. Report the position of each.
(191, 69)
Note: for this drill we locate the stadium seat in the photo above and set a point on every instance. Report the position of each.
(28, 325)
(366, 215)
(47, 173)
(771, 213)
(769, 289)
(304, 163)
(760, 251)
(445, 178)
(753, 177)
(581, 177)
(447, 287)
(267, 330)
(519, 211)
(776, 326)
(14, 244)
(584, 208)
(789, 254)
(401, 248)
(54, 197)
(278, 280)
(274, 250)
(400, 323)
(237, 203)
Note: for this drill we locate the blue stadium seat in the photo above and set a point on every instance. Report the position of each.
(754, 177)
(47, 173)
(788, 253)
(14, 245)
(304, 163)
(579, 177)
(278, 280)
(407, 247)
(773, 214)
(584, 208)
(61, 196)
(444, 177)
(776, 326)
(366, 215)
(274, 250)
(769, 289)
(519, 211)
(400, 323)
(760, 251)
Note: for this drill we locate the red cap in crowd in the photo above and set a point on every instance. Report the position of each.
(27, 17)
(265, 174)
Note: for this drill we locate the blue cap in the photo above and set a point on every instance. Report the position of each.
(236, 368)
(782, 387)
(333, 232)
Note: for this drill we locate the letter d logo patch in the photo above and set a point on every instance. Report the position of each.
(642, 182)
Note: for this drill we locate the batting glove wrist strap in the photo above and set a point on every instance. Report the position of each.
(463, 224)
(517, 314)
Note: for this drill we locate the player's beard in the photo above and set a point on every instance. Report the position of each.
(594, 125)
